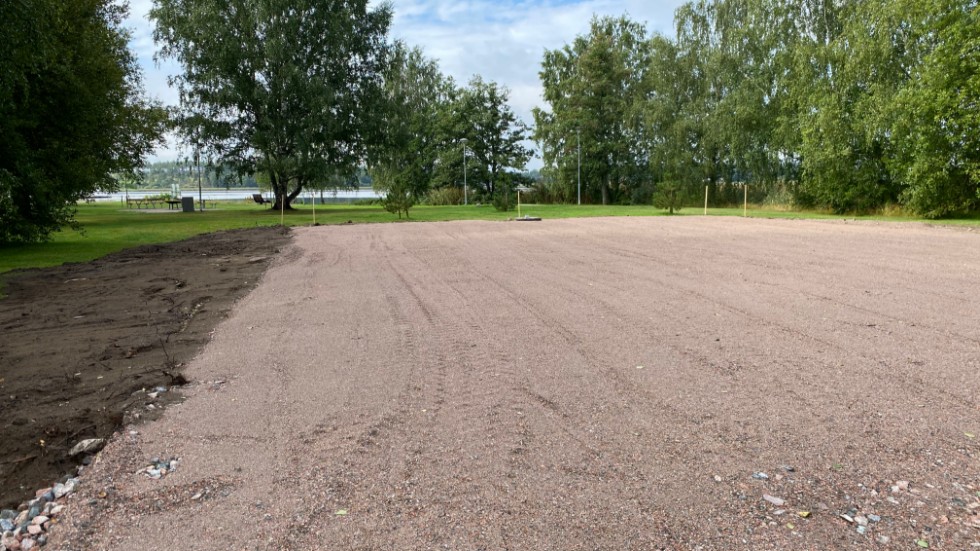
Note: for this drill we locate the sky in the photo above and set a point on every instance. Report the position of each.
(503, 41)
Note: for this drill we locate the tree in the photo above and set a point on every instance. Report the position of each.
(494, 136)
(72, 112)
(669, 196)
(935, 115)
(591, 87)
(403, 162)
(285, 87)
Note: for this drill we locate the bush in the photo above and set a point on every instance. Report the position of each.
(669, 196)
(444, 196)
(503, 199)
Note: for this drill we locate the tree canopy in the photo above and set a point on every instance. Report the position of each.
(289, 88)
(845, 105)
(72, 111)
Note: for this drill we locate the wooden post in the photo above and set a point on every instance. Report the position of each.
(745, 204)
(705, 200)
(518, 203)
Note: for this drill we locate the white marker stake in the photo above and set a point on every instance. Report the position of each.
(705, 200)
(745, 205)
(313, 195)
(518, 203)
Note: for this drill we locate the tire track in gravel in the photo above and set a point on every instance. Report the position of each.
(475, 386)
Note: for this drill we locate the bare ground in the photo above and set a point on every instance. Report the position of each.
(82, 346)
(574, 384)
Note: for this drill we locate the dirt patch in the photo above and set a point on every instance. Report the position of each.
(84, 346)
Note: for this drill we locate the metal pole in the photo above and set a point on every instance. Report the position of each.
(200, 193)
(465, 193)
(578, 136)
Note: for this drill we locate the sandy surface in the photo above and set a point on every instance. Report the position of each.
(573, 384)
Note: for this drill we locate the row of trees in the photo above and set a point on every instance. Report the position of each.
(307, 92)
(437, 134)
(841, 104)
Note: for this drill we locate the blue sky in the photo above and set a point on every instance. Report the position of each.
(502, 41)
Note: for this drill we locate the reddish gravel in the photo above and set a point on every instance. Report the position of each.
(575, 384)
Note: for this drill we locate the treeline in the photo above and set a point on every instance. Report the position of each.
(839, 104)
(444, 143)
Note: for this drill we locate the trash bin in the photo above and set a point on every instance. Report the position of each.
(187, 204)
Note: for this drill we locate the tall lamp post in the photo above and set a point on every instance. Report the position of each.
(200, 192)
(465, 193)
(578, 139)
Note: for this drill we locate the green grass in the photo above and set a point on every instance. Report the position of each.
(108, 227)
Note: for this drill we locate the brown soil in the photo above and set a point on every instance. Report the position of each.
(81, 345)
(574, 385)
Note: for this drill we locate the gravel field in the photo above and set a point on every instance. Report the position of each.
(625, 383)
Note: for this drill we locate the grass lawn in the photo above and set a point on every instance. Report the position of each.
(108, 228)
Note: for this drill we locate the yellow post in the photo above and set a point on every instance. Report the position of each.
(705, 200)
(745, 205)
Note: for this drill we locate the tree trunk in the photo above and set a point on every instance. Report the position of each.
(280, 191)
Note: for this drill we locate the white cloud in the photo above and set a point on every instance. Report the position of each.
(500, 41)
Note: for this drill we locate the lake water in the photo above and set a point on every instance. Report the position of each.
(241, 194)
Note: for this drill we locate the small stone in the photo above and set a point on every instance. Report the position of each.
(861, 520)
(774, 500)
(891, 500)
(60, 491)
(27, 544)
(8, 514)
(903, 485)
(862, 529)
(34, 530)
(789, 468)
(874, 518)
(760, 476)
(87, 446)
(848, 518)
(6, 525)
(717, 478)
(34, 511)
(40, 519)
(803, 514)
(197, 496)
(884, 540)
(42, 540)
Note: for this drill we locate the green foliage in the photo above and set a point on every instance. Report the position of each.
(669, 196)
(72, 113)
(277, 86)
(591, 87)
(444, 196)
(848, 106)
(403, 162)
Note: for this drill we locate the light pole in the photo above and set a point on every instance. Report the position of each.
(465, 194)
(200, 192)
(578, 139)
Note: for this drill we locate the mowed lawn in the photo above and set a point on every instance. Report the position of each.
(106, 228)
